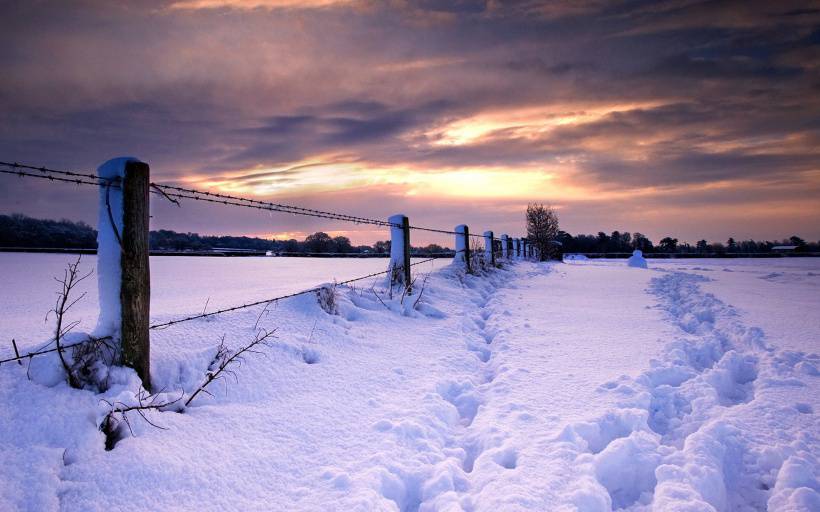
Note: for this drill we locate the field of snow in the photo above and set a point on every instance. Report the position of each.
(692, 385)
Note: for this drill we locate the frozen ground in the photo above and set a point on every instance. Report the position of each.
(589, 385)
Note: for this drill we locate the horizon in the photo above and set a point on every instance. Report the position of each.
(689, 120)
(302, 237)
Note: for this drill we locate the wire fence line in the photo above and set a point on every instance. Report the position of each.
(164, 325)
(175, 192)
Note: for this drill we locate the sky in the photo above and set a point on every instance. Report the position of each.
(683, 118)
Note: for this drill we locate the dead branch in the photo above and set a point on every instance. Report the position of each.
(421, 292)
(71, 278)
(118, 415)
(373, 289)
(219, 367)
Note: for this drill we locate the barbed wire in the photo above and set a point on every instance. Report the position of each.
(164, 325)
(41, 352)
(172, 191)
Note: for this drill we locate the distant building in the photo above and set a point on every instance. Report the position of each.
(784, 248)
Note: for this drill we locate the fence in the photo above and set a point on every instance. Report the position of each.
(122, 255)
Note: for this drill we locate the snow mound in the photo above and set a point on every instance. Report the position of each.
(575, 257)
(637, 260)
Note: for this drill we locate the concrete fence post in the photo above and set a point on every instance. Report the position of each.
(123, 273)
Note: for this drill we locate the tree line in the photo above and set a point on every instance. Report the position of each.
(544, 232)
(619, 241)
(18, 230)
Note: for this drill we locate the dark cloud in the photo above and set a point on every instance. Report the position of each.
(698, 92)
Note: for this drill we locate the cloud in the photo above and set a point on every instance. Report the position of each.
(585, 104)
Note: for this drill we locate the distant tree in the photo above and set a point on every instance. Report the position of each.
(799, 243)
(382, 247)
(319, 242)
(702, 246)
(668, 244)
(342, 244)
(731, 245)
(603, 242)
(640, 242)
(542, 229)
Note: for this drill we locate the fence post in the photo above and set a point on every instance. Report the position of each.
(400, 250)
(509, 247)
(489, 253)
(504, 252)
(123, 274)
(463, 246)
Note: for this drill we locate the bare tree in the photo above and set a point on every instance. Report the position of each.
(542, 229)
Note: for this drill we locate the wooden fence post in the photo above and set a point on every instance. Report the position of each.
(489, 253)
(463, 246)
(400, 250)
(504, 252)
(123, 273)
(135, 290)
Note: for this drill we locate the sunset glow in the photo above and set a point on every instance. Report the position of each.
(466, 109)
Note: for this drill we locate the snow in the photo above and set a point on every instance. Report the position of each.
(462, 244)
(396, 248)
(690, 386)
(637, 260)
(488, 246)
(109, 271)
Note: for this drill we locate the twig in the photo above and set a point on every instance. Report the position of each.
(69, 281)
(421, 292)
(16, 352)
(223, 359)
(111, 422)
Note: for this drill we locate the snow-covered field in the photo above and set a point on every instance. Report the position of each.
(692, 385)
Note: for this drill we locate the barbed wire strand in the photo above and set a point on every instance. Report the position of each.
(277, 299)
(221, 311)
(201, 195)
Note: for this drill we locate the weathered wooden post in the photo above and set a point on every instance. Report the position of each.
(489, 253)
(123, 274)
(509, 247)
(516, 254)
(504, 251)
(400, 250)
(462, 246)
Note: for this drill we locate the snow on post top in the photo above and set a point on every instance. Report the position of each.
(109, 271)
(461, 243)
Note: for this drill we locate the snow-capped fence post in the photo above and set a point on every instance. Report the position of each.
(504, 251)
(123, 275)
(489, 253)
(400, 250)
(462, 246)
